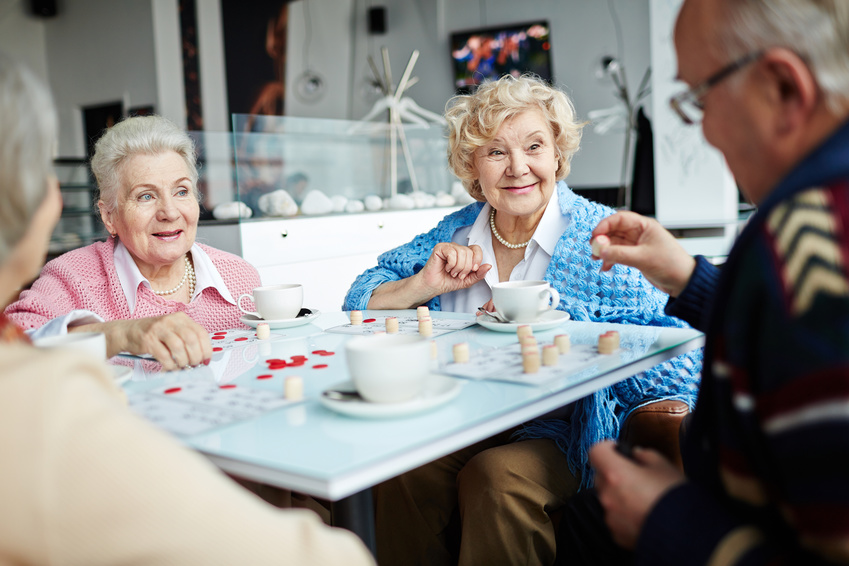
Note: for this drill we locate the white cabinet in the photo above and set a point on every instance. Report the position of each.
(327, 253)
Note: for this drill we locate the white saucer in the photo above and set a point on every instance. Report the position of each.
(121, 373)
(547, 321)
(439, 389)
(252, 321)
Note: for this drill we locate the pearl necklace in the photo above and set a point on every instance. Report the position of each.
(188, 275)
(502, 240)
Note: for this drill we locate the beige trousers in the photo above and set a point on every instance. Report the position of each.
(487, 504)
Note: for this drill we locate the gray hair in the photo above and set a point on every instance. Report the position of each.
(816, 30)
(139, 135)
(28, 126)
(474, 121)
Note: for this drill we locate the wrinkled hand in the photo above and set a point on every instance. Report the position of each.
(643, 243)
(452, 267)
(629, 489)
(175, 340)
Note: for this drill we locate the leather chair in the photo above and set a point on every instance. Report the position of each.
(657, 425)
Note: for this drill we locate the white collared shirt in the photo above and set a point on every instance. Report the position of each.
(130, 277)
(538, 255)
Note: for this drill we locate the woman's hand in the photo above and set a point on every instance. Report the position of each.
(175, 340)
(450, 267)
(637, 241)
(629, 488)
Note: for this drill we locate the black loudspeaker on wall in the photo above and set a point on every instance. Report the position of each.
(43, 8)
(377, 20)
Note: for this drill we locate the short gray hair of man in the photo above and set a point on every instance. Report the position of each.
(28, 126)
(816, 30)
(139, 135)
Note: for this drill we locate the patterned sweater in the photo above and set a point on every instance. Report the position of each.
(767, 452)
(86, 279)
(621, 295)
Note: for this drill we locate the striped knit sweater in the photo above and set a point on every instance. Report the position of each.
(767, 453)
(86, 279)
(621, 295)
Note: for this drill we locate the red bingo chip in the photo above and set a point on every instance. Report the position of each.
(220, 333)
(241, 339)
(319, 366)
(218, 349)
(173, 390)
(219, 337)
(265, 376)
(229, 386)
(370, 320)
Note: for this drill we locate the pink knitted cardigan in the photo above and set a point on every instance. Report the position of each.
(85, 278)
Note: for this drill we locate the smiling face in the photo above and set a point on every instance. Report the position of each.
(157, 213)
(517, 169)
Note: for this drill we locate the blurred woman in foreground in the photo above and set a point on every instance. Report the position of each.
(83, 480)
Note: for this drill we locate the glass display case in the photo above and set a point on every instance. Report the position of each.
(80, 223)
(288, 166)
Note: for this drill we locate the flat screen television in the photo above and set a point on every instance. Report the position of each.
(489, 53)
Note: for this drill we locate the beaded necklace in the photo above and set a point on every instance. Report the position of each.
(502, 240)
(188, 275)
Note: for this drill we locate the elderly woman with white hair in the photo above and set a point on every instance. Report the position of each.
(150, 288)
(511, 143)
(84, 480)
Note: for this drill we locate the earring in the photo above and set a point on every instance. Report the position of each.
(113, 236)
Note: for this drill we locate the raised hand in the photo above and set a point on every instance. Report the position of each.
(630, 239)
(450, 267)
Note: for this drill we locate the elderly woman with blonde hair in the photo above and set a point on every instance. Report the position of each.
(511, 143)
(150, 287)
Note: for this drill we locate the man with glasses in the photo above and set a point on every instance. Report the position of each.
(766, 453)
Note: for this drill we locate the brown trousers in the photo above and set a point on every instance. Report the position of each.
(487, 504)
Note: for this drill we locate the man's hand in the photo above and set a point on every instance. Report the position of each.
(628, 488)
(637, 241)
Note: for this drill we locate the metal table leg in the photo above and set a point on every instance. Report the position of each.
(356, 514)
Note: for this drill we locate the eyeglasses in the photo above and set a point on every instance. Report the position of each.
(688, 104)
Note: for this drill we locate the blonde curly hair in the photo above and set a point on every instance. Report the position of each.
(474, 121)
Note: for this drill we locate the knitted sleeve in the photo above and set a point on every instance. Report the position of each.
(694, 303)
(57, 291)
(408, 259)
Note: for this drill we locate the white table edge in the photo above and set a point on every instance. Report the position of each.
(341, 487)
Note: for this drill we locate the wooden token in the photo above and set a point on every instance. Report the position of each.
(530, 361)
(391, 325)
(527, 340)
(461, 353)
(608, 342)
(563, 343)
(426, 326)
(598, 243)
(524, 330)
(550, 355)
(421, 312)
(263, 331)
(434, 350)
(293, 388)
(356, 317)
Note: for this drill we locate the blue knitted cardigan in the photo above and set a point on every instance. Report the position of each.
(621, 295)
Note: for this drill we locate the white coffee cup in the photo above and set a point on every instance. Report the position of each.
(388, 368)
(524, 301)
(93, 343)
(275, 302)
